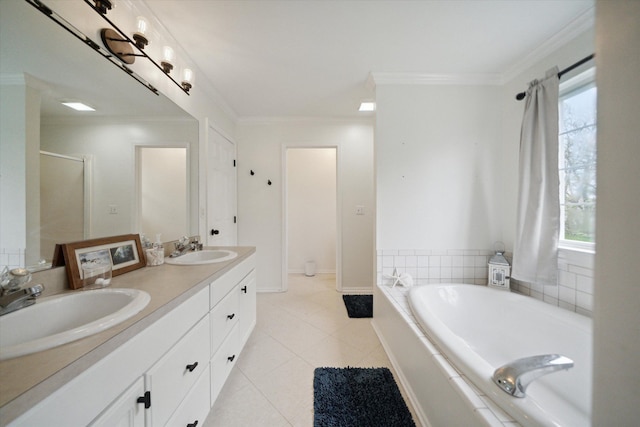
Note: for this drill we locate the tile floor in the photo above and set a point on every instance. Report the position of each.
(297, 331)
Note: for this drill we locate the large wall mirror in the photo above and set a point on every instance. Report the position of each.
(81, 172)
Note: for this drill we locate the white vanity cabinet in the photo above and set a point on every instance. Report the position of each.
(163, 375)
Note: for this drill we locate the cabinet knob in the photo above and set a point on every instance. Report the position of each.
(231, 316)
(146, 399)
(215, 232)
(191, 367)
(193, 424)
(244, 289)
(231, 358)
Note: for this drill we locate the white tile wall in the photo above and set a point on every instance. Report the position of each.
(435, 266)
(11, 257)
(575, 283)
(575, 273)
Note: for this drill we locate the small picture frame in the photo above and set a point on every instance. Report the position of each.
(122, 253)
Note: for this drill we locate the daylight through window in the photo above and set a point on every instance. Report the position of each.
(577, 160)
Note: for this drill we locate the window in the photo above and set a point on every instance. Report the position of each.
(577, 161)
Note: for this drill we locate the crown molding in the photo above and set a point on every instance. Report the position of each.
(578, 26)
(22, 79)
(255, 120)
(382, 78)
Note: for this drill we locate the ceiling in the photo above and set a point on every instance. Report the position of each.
(312, 58)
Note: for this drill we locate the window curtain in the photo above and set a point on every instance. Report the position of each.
(535, 254)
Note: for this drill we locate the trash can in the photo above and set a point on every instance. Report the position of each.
(310, 268)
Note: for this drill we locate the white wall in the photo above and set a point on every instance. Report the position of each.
(260, 215)
(111, 144)
(616, 386)
(311, 209)
(437, 173)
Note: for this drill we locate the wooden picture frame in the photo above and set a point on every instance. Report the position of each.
(124, 253)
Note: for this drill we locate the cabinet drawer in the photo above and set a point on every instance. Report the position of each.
(195, 407)
(221, 286)
(173, 375)
(222, 363)
(224, 317)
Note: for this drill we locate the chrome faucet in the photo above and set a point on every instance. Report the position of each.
(515, 377)
(181, 247)
(12, 295)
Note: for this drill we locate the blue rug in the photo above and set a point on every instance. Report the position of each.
(358, 397)
(358, 306)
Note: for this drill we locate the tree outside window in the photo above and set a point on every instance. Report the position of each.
(577, 163)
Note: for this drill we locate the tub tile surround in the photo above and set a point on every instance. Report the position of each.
(12, 257)
(487, 411)
(574, 291)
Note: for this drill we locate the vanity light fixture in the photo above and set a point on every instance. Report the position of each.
(167, 59)
(140, 36)
(103, 6)
(120, 50)
(77, 105)
(366, 106)
(187, 79)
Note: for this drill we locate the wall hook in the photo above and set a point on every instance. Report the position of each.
(252, 172)
(269, 182)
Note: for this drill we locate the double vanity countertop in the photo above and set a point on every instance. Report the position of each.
(27, 380)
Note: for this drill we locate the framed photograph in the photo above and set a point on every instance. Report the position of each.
(121, 253)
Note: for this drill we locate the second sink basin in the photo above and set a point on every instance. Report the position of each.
(207, 256)
(60, 319)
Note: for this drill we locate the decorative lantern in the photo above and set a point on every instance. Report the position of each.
(499, 271)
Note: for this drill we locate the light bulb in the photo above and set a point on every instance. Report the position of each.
(187, 76)
(142, 25)
(167, 54)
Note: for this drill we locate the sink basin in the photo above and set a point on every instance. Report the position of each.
(60, 319)
(207, 256)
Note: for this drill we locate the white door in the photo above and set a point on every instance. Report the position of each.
(221, 191)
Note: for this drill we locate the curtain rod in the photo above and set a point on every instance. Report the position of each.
(521, 95)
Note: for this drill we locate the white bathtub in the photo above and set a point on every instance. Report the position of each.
(479, 329)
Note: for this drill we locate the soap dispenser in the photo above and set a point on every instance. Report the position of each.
(155, 255)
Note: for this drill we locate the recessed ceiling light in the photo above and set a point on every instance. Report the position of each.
(367, 106)
(78, 106)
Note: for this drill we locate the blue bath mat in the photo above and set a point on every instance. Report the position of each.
(358, 305)
(358, 397)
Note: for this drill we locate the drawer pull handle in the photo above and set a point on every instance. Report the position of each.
(193, 424)
(191, 367)
(146, 399)
(231, 358)
(231, 316)
(244, 289)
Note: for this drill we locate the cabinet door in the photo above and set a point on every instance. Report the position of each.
(171, 378)
(125, 411)
(247, 290)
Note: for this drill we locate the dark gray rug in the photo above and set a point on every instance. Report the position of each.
(358, 397)
(359, 305)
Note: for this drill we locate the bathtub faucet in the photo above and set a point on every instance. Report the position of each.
(514, 377)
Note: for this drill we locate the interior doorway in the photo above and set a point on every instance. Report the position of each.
(162, 191)
(311, 220)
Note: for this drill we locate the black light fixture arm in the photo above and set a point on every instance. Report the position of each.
(87, 40)
(126, 38)
(522, 95)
